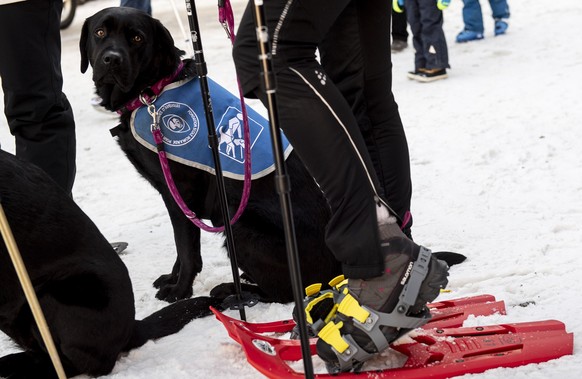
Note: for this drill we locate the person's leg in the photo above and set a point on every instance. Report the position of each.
(359, 27)
(38, 113)
(434, 43)
(499, 9)
(473, 16)
(324, 132)
(143, 5)
(319, 124)
(399, 31)
(357, 59)
(414, 20)
(399, 26)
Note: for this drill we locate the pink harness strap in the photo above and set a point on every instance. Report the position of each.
(155, 90)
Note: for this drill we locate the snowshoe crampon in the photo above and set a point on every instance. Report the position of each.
(440, 349)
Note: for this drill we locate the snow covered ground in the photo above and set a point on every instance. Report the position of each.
(497, 174)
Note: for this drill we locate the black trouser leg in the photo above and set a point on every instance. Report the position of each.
(39, 114)
(319, 123)
(426, 24)
(356, 56)
(399, 25)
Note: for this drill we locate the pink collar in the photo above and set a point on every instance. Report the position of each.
(151, 92)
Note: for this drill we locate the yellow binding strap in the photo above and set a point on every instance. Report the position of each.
(316, 301)
(350, 307)
(312, 289)
(337, 280)
(331, 334)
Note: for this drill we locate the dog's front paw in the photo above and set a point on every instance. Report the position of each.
(172, 293)
(165, 280)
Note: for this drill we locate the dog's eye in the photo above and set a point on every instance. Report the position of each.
(100, 33)
(137, 38)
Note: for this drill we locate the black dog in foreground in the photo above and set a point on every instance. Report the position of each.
(83, 286)
(130, 52)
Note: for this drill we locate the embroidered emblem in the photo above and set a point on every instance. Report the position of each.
(179, 123)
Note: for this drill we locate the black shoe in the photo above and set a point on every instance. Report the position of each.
(425, 75)
(412, 75)
(398, 45)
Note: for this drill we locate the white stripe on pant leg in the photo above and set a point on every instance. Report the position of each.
(347, 134)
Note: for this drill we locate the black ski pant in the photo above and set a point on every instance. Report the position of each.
(38, 113)
(318, 120)
(357, 59)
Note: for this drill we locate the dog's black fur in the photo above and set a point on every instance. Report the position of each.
(82, 285)
(129, 52)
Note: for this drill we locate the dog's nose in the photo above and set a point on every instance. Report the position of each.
(112, 58)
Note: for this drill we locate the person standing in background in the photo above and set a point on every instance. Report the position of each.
(473, 19)
(431, 56)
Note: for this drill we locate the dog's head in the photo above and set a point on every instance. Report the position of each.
(128, 50)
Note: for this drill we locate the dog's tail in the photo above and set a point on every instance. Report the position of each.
(171, 319)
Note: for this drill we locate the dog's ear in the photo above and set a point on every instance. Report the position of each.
(83, 46)
(164, 44)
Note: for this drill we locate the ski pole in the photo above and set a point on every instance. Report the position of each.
(282, 181)
(29, 293)
(179, 20)
(202, 72)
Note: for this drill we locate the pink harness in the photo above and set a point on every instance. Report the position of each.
(155, 90)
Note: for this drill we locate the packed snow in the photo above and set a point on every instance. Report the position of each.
(496, 168)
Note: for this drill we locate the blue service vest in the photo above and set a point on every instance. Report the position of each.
(182, 121)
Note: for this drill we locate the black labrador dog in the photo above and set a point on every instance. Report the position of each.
(129, 52)
(82, 285)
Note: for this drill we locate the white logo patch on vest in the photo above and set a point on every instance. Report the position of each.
(176, 130)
